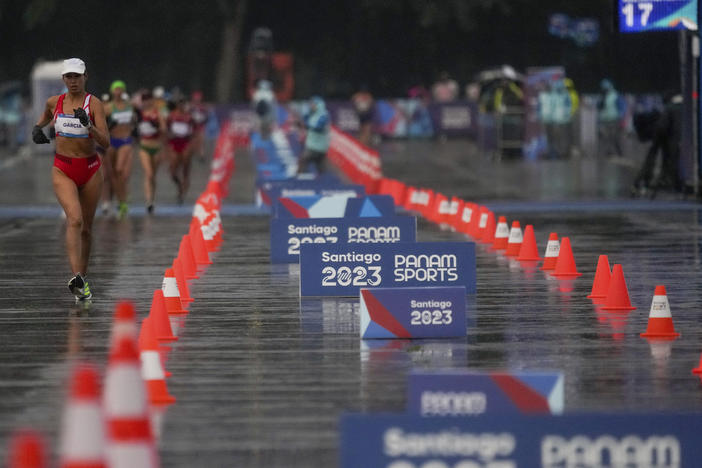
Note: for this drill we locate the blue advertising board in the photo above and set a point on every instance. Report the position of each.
(429, 312)
(334, 206)
(502, 440)
(352, 191)
(343, 269)
(265, 184)
(651, 15)
(287, 234)
(470, 393)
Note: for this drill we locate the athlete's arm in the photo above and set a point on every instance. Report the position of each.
(38, 136)
(48, 113)
(162, 126)
(99, 131)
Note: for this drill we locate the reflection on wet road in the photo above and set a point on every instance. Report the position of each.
(261, 377)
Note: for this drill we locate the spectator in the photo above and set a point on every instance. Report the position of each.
(473, 92)
(610, 112)
(265, 107)
(574, 116)
(665, 135)
(555, 113)
(317, 123)
(363, 104)
(507, 94)
(446, 89)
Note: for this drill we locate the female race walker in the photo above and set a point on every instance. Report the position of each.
(180, 132)
(79, 120)
(151, 129)
(121, 118)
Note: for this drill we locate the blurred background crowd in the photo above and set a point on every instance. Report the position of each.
(520, 78)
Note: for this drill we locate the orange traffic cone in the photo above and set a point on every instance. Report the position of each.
(455, 218)
(454, 206)
(553, 248)
(439, 209)
(529, 251)
(474, 225)
(151, 366)
(206, 225)
(617, 293)
(83, 427)
(501, 234)
(466, 217)
(187, 257)
(158, 314)
(208, 233)
(603, 275)
(124, 322)
(181, 281)
(482, 223)
(147, 332)
(218, 232)
(514, 242)
(129, 441)
(488, 236)
(660, 322)
(171, 295)
(199, 250)
(27, 450)
(565, 265)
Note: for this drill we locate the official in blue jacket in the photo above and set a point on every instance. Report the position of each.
(317, 123)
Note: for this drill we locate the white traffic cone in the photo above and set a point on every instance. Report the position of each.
(130, 443)
(83, 426)
(123, 322)
(171, 294)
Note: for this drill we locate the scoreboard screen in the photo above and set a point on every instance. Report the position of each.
(652, 15)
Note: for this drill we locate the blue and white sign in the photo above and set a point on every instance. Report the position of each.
(269, 190)
(471, 393)
(288, 234)
(429, 312)
(349, 191)
(651, 15)
(501, 440)
(343, 269)
(334, 206)
(370, 206)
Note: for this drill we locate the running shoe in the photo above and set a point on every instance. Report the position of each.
(87, 294)
(150, 208)
(78, 285)
(123, 209)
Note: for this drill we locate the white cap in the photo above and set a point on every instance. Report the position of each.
(73, 65)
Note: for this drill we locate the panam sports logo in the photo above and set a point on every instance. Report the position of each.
(426, 268)
(373, 234)
(609, 451)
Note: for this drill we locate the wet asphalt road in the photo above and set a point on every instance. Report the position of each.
(261, 378)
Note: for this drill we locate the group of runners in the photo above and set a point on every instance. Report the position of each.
(158, 130)
(95, 142)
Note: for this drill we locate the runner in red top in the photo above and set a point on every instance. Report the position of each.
(79, 120)
(180, 132)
